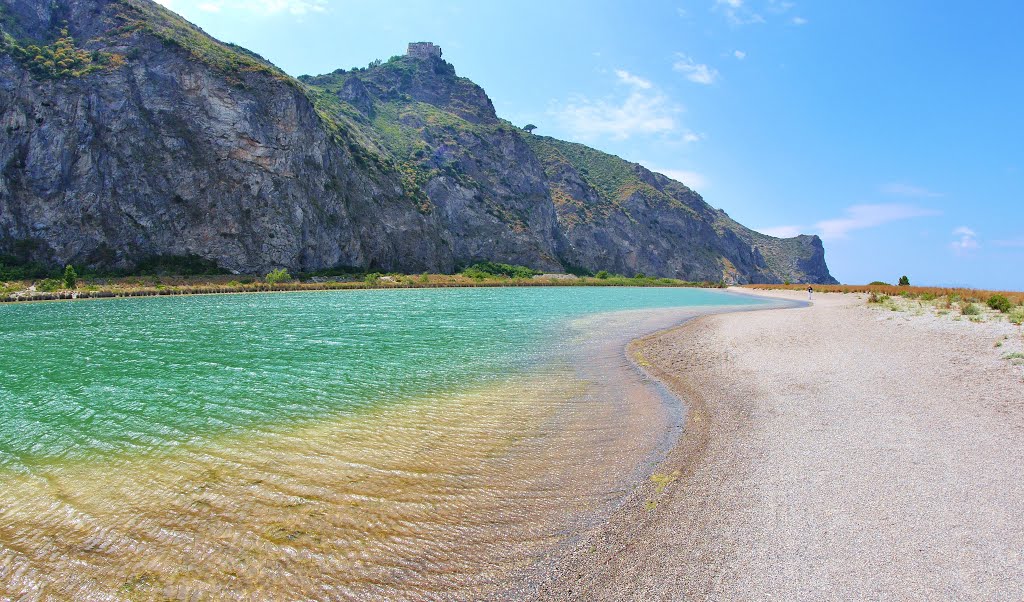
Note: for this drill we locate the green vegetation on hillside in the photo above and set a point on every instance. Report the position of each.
(173, 30)
(62, 58)
(614, 179)
(419, 141)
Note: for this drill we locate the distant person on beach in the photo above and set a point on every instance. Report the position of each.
(810, 293)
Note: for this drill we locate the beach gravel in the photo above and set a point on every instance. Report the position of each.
(830, 452)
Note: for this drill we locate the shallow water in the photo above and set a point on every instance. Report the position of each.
(395, 444)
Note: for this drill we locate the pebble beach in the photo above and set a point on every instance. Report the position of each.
(835, 451)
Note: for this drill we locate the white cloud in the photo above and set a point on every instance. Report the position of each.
(782, 231)
(628, 78)
(739, 54)
(644, 111)
(294, 7)
(856, 217)
(859, 217)
(692, 179)
(967, 242)
(778, 6)
(798, 21)
(736, 12)
(907, 190)
(695, 72)
(265, 8)
(692, 137)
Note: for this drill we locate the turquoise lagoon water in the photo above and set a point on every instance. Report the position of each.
(85, 378)
(384, 444)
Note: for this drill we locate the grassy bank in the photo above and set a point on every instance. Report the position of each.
(975, 305)
(928, 293)
(166, 285)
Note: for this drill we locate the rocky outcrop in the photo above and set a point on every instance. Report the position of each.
(154, 140)
(620, 216)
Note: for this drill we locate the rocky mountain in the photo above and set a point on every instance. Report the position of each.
(132, 135)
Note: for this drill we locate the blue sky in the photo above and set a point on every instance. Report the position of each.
(894, 130)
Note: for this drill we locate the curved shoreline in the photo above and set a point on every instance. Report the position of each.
(619, 459)
(552, 575)
(840, 452)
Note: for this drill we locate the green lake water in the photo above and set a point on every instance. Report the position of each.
(80, 379)
(363, 445)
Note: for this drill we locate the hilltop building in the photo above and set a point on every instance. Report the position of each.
(423, 50)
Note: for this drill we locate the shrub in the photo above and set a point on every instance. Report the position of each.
(640, 276)
(277, 276)
(879, 283)
(62, 58)
(969, 309)
(70, 277)
(603, 275)
(1000, 303)
(1016, 316)
(372, 279)
(49, 285)
(16, 268)
(904, 281)
(490, 269)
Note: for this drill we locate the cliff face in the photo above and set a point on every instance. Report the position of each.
(188, 147)
(132, 135)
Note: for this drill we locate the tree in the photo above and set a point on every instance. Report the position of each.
(277, 276)
(904, 281)
(70, 277)
(529, 127)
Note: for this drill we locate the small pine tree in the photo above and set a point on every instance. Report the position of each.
(70, 277)
(904, 281)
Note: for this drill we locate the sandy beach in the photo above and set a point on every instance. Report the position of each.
(836, 451)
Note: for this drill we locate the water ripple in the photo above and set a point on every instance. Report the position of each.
(373, 444)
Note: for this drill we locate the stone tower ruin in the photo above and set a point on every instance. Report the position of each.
(423, 50)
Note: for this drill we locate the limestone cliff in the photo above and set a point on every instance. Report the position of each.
(130, 134)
